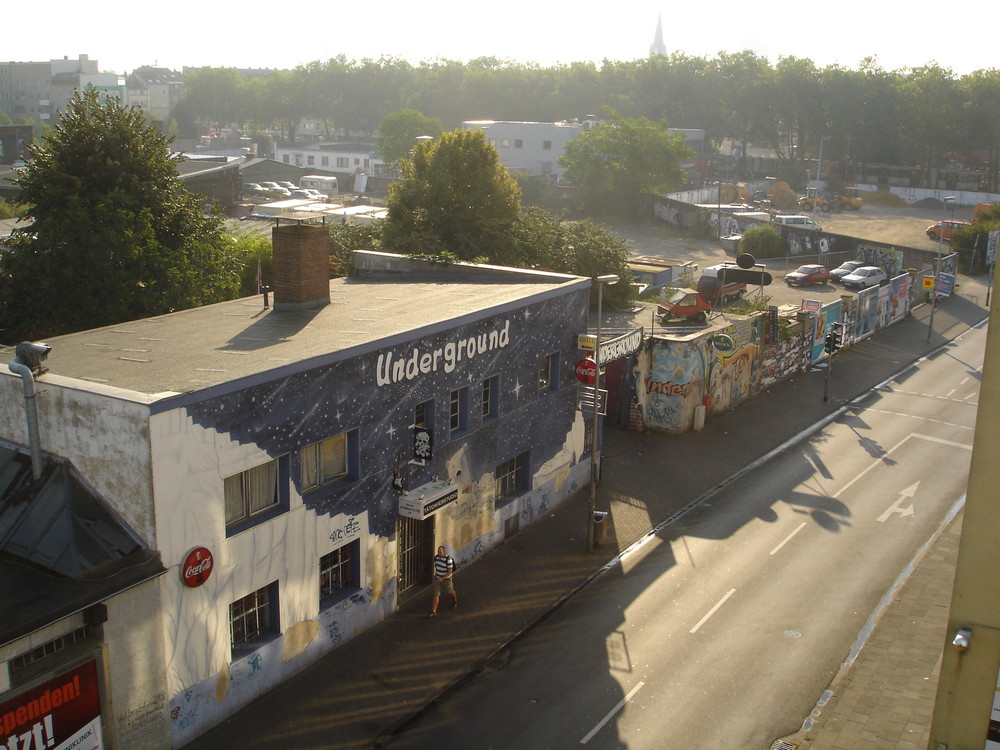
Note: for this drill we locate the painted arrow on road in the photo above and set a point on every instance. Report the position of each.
(906, 494)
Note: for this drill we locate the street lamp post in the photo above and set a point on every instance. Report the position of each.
(600, 281)
(819, 169)
(949, 201)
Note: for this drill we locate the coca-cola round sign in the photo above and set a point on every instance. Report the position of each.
(197, 567)
(586, 371)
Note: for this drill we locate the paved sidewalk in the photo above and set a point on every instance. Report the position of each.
(358, 695)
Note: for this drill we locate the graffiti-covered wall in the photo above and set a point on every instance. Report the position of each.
(717, 369)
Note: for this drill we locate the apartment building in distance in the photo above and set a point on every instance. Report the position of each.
(40, 90)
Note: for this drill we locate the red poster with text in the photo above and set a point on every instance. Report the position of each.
(63, 713)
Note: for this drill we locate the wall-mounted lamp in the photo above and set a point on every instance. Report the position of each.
(962, 638)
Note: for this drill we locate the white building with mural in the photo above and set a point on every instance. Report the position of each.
(284, 473)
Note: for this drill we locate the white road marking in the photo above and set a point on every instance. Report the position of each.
(712, 611)
(611, 713)
(907, 494)
(941, 441)
(878, 461)
(789, 537)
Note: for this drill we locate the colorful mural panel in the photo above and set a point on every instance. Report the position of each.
(867, 317)
(828, 315)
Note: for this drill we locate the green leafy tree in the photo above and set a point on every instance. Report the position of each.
(981, 119)
(455, 197)
(930, 98)
(112, 234)
(398, 133)
(762, 241)
(583, 248)
(217, 96)
(346, 238)
(616, 161)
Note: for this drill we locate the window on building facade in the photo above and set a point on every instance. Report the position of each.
(423, 415)
(28, 665)
(511, 477)
(546, 145)
(458, 410)
(310, 161)
(505, 142)
(253, 620)
(251, 492)
(343, 162)
(518, 143)
(324, 161)
(339, 573)
(547, 369)
(491, 397)
(286, 158)
(326, 460)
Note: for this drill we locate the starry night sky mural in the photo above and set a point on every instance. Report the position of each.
(284, 416)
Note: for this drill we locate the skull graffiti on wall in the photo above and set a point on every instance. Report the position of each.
(422, 444)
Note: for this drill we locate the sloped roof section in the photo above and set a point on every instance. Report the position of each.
(62, 547)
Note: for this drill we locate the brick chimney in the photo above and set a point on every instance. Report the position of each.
(301, 266)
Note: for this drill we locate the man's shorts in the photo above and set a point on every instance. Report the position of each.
(446, 586)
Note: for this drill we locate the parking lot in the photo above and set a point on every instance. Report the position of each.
(900, 226)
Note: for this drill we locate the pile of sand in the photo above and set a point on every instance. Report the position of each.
(885, 199)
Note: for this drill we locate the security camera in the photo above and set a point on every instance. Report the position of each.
(31, 353)
(962, 638)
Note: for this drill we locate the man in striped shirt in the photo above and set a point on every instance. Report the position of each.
(444, 569)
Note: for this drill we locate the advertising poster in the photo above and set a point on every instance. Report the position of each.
(829, 315)
(867, 313)
(61, 714)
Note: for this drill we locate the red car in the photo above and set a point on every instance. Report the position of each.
(810, 274)
(684, 303)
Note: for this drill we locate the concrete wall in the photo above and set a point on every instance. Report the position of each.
(676, 375)
(102, 430)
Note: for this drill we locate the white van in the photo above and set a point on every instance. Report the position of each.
(802, 222)
(327, 185)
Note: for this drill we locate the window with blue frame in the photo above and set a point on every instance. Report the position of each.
(255, 495)
(253, 620)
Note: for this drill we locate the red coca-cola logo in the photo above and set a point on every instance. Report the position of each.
(586, 371)
(197, 567)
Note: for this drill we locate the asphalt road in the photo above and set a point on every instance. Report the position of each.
(724, 628)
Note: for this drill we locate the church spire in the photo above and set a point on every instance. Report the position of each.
(658, 47)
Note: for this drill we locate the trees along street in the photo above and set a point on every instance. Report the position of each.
(725, 628)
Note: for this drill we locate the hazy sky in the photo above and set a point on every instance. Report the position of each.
(122, 36)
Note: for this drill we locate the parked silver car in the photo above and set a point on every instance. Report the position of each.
(838, 273)
(865, 277)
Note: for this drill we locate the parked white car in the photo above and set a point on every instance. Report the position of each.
(865, 277)
(309, 194)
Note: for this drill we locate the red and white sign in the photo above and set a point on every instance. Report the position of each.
(197, 567)
(586, 371)
(64, 712)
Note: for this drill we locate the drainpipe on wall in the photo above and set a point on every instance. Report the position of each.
(27, 361)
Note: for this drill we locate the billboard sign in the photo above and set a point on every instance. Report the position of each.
(63, 713)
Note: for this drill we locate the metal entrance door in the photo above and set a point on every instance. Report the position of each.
(415, 539)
